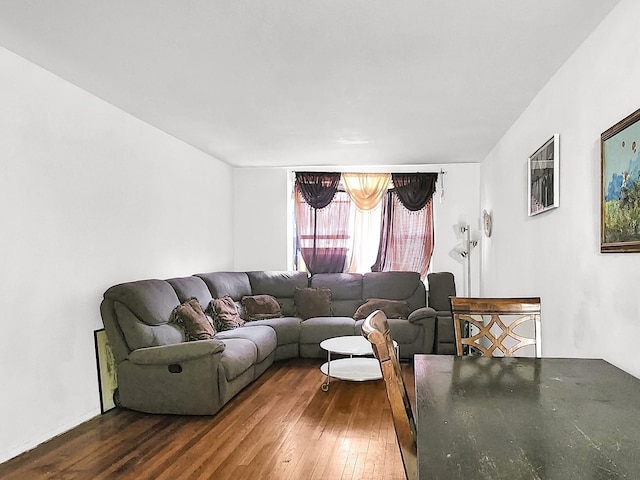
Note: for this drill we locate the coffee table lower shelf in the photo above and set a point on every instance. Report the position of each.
(355, 369)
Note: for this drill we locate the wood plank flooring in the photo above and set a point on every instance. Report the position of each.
(281, 427)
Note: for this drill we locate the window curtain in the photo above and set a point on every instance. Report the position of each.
(322, 234)
(414, 190)
(406, 237)
(366, 191)
(317, 188)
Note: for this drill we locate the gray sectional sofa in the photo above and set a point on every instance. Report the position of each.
(159, 371)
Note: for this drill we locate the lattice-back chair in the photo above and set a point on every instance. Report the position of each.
(498, 335)
(376, 329)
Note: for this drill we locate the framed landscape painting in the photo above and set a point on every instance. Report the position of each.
(107, 379)
(620, 186)
(544, 177)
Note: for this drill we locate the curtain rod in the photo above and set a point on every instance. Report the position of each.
(324, 169)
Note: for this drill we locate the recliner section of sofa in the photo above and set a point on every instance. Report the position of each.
(442, 286)
(160, 372)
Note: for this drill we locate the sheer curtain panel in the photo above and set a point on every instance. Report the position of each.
(406, 236)
(322, 234)
(366, 191)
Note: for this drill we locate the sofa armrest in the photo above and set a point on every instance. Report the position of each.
(176, 353)
(423, 313)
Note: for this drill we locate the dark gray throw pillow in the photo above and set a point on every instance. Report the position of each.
(312, 302)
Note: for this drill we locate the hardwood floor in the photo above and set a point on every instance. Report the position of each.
(280, 427)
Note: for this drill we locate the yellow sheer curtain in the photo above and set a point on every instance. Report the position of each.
(366, 189)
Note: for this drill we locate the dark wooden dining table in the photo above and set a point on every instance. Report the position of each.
(525, 418)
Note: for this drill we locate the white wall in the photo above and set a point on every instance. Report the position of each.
(89, 197)
(260, 235)
(589, 300)
(460, 206)
(263, 217)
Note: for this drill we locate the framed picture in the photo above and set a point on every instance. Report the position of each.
(620, 186)
(544, 177)
(107, 379)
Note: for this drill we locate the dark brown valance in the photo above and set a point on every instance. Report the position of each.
(317, 188)
(414, 190)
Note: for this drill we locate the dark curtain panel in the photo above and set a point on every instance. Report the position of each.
(406, 237)
(317, 188)
(414, 190)
(385, 231)
(323, 239)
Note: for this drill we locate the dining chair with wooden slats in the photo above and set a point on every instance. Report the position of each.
(498, 335)
(376, 329)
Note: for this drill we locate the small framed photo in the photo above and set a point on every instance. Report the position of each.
(544, 177)
(620, 186)
(107, 378)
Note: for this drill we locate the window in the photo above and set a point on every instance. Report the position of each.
(363, 222)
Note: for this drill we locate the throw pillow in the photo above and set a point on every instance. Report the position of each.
(391, 308)
(225, 314)
(191, 318)
(257, 307)
(312, 302)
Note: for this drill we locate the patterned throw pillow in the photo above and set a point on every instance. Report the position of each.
(225, 314)
(191, 318)
(313, 302)
(258, 307)
(391, 308)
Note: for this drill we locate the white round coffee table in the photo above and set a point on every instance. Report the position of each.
(356, 368)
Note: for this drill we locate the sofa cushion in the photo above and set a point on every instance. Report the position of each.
(258, 307)
(225, 314)
(263, 337)
(151, 301)
(346, 291)
(279, 284)
(189, 287)
(138, 334)
(220, 284)
(343, 285)
(391, 308)
(191, 318)
(287, 328)
(315, 330)
(405, 286)
(313, 302)
(238, 356)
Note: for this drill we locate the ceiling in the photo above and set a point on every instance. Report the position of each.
(310, 82)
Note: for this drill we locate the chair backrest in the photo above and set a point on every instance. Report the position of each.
(376, 329)
(498, 335)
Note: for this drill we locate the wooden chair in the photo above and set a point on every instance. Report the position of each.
(376, 329)
(497, 335)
